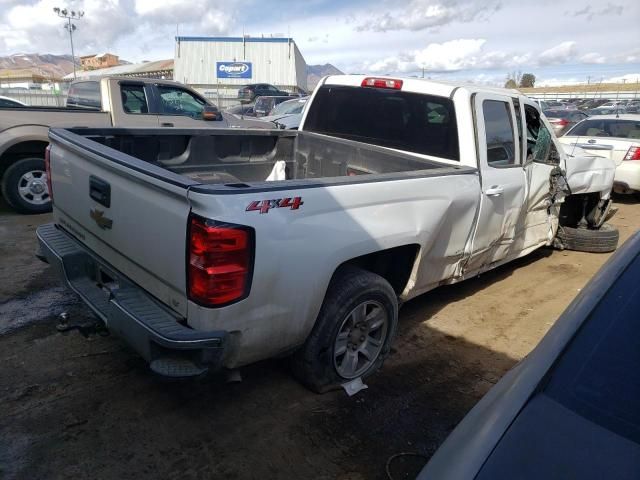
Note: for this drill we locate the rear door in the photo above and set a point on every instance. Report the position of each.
(502, 181)
(130, 213)
(131, 104)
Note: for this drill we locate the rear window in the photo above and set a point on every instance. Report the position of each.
(604, 127)
(412, 122)
(85, 95)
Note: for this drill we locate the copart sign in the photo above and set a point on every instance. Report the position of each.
(233, 69)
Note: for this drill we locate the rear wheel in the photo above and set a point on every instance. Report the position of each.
(582, 239)
(353, 332)
(24, 186)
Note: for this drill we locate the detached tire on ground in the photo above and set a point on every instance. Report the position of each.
(605, 239)
(24, 186)
(353, 333)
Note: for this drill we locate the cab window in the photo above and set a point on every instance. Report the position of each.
(176, 101)
(499, 133)
(134, 100)
(84, 95)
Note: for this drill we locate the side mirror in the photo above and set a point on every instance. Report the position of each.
(211, 113)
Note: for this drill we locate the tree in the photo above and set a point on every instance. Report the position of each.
(528, 80)
(510, 83)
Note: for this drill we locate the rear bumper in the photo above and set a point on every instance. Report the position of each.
(171, 348)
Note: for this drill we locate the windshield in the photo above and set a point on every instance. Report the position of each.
(412, 122)
(289, 107)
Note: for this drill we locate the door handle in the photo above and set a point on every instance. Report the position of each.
(494, 191)
(166, 124)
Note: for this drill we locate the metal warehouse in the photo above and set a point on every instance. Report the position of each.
(218, 65)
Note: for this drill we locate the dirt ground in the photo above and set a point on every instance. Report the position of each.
(88, 408)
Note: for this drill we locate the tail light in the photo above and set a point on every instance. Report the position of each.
(219, 262)
(382, 83)
(633, 154)
(47, 169)
(562, 122)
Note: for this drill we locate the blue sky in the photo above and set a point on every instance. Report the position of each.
(483, 41)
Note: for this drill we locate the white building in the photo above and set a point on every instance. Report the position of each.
(218, 65)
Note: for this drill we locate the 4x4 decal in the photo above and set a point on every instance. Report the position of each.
(263, 206)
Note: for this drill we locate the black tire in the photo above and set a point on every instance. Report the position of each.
(313, 364)
(11, 181)
(605, 239)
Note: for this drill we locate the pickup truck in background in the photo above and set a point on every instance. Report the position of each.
(109, 102)
(208, 249)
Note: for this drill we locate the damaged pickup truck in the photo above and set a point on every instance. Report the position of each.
(209, 249)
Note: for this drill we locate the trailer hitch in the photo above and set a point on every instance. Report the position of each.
(86, 329)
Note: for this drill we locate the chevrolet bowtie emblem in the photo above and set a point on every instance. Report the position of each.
(102, 221)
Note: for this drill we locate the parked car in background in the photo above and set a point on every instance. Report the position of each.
(551, 104)
(110, 102)
(569, 410)
(288, 114)
(613, 105)
(248, 93)
(11, 102)
(612, 136)
(592, 103)
(264, 105)
(242, 110)
(563, 120)
(633, 106)
(605, 111)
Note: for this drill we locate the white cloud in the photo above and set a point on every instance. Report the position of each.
(425, 14)
(628, 78)
(593, 57)
(560, 53)
(453, 55)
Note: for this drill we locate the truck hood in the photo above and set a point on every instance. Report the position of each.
(589, 173)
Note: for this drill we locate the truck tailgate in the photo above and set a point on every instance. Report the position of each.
(128, 212)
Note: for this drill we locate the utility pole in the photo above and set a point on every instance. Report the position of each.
(71, 27)
(423, 71)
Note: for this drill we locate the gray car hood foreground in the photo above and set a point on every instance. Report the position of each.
(493, 428)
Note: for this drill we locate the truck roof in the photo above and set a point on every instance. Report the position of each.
(421, 85)
(130, 79)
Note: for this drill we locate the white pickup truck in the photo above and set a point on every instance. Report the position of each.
(210, 249)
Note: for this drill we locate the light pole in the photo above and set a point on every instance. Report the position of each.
(70, 15)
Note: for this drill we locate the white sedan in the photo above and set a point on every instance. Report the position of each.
(613, 136)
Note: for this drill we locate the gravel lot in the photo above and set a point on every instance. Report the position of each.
(89, 408)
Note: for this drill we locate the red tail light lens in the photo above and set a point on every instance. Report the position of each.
(47, 169)
(382, 83)
(219, 262)
(559, 121)
(633, 154)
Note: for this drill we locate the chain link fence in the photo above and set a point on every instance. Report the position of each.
(36, 98)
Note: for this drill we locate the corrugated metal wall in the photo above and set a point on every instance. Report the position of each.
(274, 60)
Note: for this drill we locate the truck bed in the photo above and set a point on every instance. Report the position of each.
(236, 157)
(52, 116)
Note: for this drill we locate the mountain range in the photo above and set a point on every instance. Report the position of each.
(56, 66)
(316, 72)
